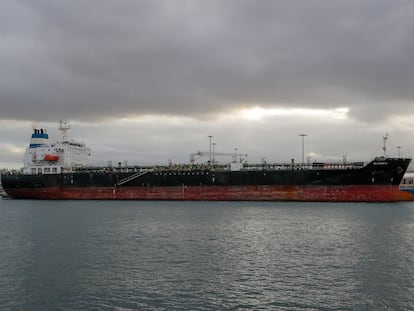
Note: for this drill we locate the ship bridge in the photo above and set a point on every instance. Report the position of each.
(43, 157)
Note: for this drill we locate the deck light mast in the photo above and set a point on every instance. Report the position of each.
(384, 148)
(303, 147)
(214, 153)
(210, 148)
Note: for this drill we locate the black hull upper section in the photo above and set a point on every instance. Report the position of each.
(382, 171)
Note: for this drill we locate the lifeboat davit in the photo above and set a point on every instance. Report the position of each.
(51, 157)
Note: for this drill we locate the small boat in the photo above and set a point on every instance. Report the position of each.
(407, 183)
(3, 193)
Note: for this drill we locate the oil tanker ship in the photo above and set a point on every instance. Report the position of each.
(59, 171)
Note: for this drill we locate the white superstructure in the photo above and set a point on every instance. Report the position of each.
(43, 157)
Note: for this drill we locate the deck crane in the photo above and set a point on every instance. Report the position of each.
(199, 154)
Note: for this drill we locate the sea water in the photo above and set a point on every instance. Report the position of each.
(137, 255)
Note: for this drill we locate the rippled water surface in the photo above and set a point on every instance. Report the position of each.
(92, 255)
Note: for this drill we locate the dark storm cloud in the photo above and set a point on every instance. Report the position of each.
(97, 59)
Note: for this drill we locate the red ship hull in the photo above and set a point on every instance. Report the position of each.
(308, 193)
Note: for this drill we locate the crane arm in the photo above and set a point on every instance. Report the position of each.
(199, 154)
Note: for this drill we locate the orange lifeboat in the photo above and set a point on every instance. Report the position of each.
(51, 157)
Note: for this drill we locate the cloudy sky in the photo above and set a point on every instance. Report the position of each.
(147, 81)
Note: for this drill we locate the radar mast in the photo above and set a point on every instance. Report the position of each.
(64, 127)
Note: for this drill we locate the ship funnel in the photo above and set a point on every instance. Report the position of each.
(40, 137)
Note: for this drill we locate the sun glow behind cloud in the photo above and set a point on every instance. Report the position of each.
(14, 149)
(258, 113)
